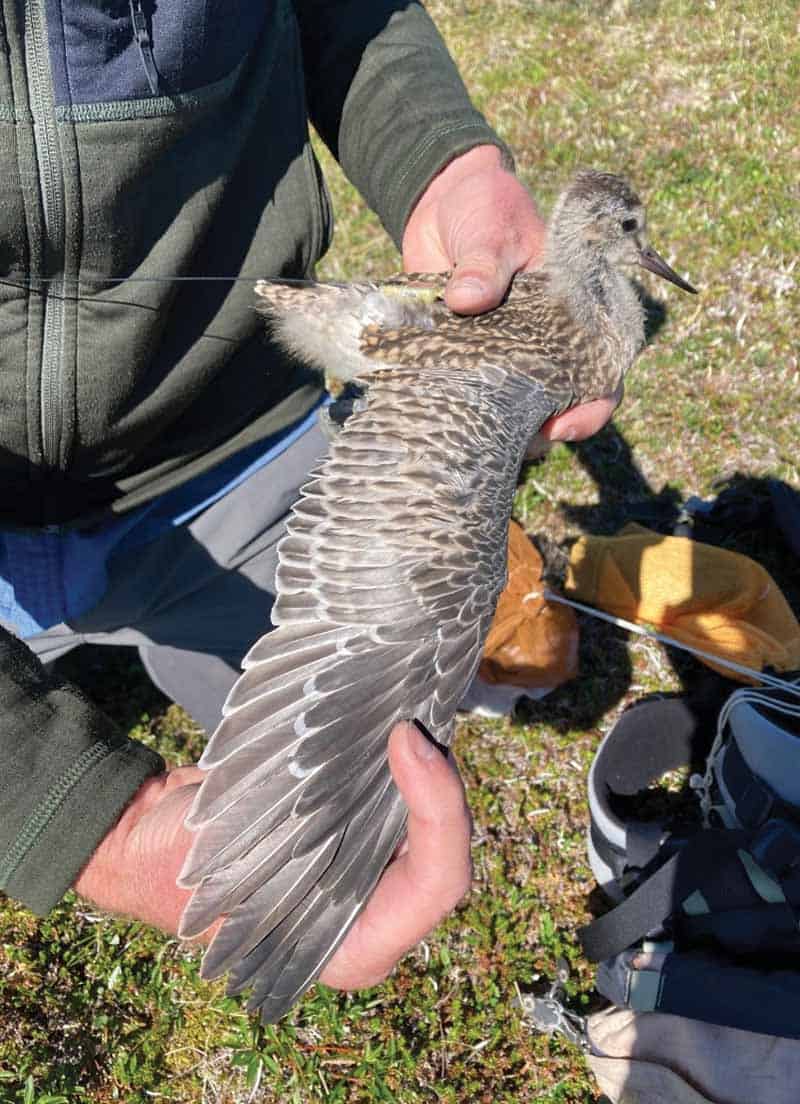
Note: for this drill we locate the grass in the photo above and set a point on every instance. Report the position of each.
(696, 102)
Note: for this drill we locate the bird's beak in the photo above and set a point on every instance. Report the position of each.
(653, 262)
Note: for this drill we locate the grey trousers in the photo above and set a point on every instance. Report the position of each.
(198, 596)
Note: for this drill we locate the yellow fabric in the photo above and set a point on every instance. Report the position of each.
(531, 643)
(706, 597)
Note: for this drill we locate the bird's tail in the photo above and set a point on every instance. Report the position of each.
(298, 815)
(324, 324)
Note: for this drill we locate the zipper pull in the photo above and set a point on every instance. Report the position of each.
(145, 44)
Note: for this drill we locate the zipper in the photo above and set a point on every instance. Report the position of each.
(145, 44)
(51, 185)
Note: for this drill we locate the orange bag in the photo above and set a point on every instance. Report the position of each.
(707, 597)
(532, 643)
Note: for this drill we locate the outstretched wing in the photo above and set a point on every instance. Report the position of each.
(388, 576)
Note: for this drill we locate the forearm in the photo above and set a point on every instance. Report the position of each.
(66, 774)
(387, 98)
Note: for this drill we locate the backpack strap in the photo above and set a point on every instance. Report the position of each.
(676, 882)
(707, 986)
(753, 800)
(738, 889)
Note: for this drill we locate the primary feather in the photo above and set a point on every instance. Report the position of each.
(388, 576)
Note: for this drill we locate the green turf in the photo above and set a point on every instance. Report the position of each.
(697, 103)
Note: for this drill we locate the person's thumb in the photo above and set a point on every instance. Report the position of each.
(479, 281)
(438, 816)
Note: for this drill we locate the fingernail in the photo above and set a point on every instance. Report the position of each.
(425, 745)
(468, 283)
(470, 294)
(420, 745)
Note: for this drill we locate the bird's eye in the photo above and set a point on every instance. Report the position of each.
(629, 225)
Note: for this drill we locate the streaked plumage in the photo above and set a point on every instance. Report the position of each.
(393, 561)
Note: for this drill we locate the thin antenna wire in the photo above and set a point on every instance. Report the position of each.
(631, 626)
(67, 280)
(32, 284)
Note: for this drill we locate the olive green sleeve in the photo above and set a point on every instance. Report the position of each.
(66, 774)
(387, 98)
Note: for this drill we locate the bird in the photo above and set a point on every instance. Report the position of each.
(388, 573)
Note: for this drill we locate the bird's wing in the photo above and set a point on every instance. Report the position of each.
(388, 577)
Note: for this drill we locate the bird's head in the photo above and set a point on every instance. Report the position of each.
(599, 222)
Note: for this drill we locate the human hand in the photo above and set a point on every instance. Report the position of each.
(430, 873)
(478, 220)
(134, 869)
(581, 421)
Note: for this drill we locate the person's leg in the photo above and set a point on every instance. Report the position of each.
(198, 682)
(195, 599)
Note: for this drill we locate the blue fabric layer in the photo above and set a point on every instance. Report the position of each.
(54, 576)
(95, 58)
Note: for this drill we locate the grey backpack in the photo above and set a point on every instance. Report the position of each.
(699, 954)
